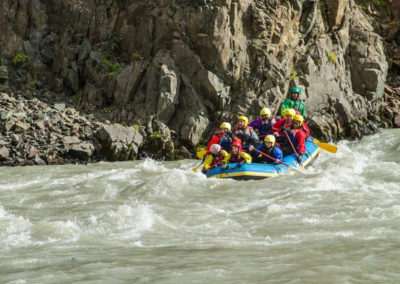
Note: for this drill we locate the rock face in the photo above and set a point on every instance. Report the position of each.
(190, 66)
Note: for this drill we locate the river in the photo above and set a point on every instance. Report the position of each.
(159, 222)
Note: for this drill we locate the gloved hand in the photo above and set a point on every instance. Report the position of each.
(224, 166)
(299, 158)
(241, 163)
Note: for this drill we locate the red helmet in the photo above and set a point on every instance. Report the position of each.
(237, 144)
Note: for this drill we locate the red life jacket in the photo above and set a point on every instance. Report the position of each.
(235, 158)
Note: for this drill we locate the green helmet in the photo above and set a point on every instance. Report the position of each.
(295, 89)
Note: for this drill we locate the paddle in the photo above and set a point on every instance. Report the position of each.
(325, 146)
(294, 149)
(279, 161)
(198, 166)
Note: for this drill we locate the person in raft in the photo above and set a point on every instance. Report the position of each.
(294, 102)
(237, 156)
(245, 133)
(216, 157)
(286, 122)
(283, 123)
(268, 147)
(296, 136)
(223, 136)
(227, 139)
(263, 124)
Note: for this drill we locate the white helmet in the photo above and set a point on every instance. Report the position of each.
(215, 148)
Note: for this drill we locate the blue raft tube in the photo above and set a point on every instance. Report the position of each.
(261, 171)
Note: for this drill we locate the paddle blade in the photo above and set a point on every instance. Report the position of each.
(200, 154)
(196, 168)
(326, 146)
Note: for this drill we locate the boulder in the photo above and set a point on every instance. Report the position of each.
(4, 153)
(119, 143)
(82, 151)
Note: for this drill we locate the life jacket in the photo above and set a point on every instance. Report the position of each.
(269, 151)
(285, 144)
(235, 158)
(218, 158)
(266, 127)
(226, 142)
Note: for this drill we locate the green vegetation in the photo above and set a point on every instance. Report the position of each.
(135, 54)
(136, 127)
(107, 110)
(114, 67)
(76, 98)
(332, 57)
(380, 3)
(293, 75)
(362, 7)
(20, 58)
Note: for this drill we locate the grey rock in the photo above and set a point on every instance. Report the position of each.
(119, 142)
(59, 106)
(82, 151)
(21, 127)
(4, 153)
(69, 140)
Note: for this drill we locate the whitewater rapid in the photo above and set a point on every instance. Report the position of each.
(159, 222)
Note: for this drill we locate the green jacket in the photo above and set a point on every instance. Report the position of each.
(296, 105)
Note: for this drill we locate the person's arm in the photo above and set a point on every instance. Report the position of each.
(302, 109)
(246, 157)
(208, 161)
(306, 129)
(288, 103)
(301, 137)
(214, 140)
(256, 124)
(227, 158)
(278, 153)
(276, 127)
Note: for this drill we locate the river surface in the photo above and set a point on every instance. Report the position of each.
(159, 222)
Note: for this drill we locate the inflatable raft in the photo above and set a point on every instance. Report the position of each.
(261, 171)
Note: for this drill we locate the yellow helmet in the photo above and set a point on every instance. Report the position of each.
(298, 118)
(290, 112)
(226, 125)
(244, 118)
(270, 138)
(265, 111)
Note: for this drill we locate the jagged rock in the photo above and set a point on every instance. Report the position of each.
(119, 142)
(69, 140)
(4, 153)
(21, 127)
(397, 121)
(82, 151)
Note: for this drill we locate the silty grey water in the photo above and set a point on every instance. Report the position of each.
(159, 222)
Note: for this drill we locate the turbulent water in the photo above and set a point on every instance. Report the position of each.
(159, 222)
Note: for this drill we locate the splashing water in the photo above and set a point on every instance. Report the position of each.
(148, 221)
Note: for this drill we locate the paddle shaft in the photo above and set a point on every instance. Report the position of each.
(294, 149)
(279, 161)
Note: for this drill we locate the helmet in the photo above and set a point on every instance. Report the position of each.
(237, 144)
(270, 138)
(298, 118)
(265, 111)
(226, 125)
(244, 118)
(295, 89)
(290, 112)
(215, 148)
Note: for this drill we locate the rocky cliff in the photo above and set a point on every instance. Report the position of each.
(180, 67)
